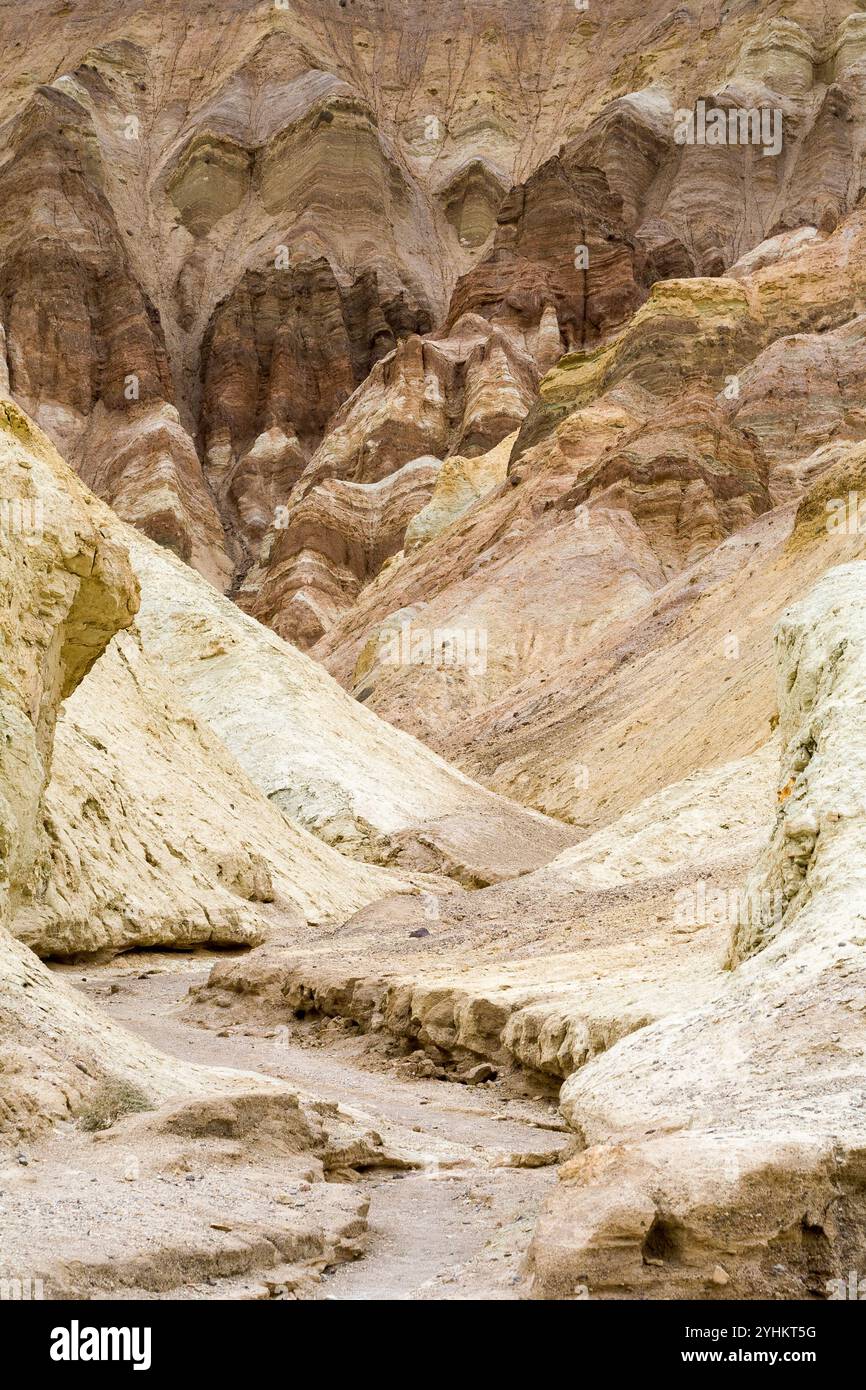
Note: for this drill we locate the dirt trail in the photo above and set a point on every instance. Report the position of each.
(436, 1234)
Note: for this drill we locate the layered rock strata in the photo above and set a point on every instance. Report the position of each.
(219, 227)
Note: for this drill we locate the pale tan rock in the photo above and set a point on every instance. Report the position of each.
(756, 1090)
(320, 757)
(810, 866)
(616, 950)
(458, 487)
(712, 815)
(103, 1206)
(149, 832)
(156, 836)
(67, 588)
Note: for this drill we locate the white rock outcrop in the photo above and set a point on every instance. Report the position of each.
(155, 835)
(65, 588)
(734, 1133)
(324, 760)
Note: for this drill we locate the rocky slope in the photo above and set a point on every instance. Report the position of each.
(149, 832)
(279, 273)
(152, 833)
(751, 1162)
(157, 837)
(66, 590)
(648, 472)
(325, 761)
(136, 1123)
(707, 1019)
(542, 972)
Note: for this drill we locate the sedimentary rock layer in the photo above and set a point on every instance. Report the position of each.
(149, 831)
(650, 472)
(218, 225)
(321, 758)
(751, 1161)
(67, 588)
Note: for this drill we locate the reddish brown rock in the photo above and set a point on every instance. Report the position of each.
(523, 167)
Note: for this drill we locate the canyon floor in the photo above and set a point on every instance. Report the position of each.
(456, 1226)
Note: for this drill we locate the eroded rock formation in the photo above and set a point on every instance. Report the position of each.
(646, 468)
(149, 832)
(120, 1220)
(229, 221)
(68, 588)
(771, 1147)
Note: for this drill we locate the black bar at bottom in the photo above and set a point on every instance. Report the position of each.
(223, 1340)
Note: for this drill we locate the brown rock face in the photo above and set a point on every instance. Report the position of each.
(217, 229)
(85, 348)
(561, 259)
(279, 357)
(430, 399)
